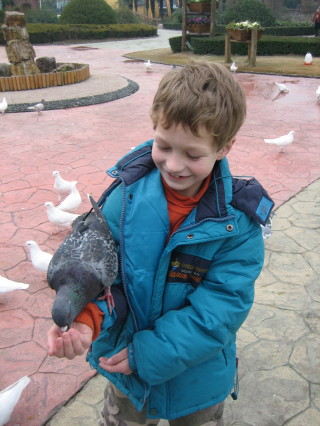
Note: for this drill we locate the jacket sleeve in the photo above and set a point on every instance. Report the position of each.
(195, 334)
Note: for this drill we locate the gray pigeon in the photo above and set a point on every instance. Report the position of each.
(84, 266)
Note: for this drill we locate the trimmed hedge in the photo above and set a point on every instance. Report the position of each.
(50, 33)
(276, 31)
(267, 46)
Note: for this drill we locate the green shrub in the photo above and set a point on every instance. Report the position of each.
(251, 10)
(125, 15)
(88, 12)
(41, 16)
(1, 16)
(267, 46)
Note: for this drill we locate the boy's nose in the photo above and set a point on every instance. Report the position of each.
(174, 164)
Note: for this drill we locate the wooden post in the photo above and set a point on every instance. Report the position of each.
(227, 49)
(253, 47)
(184, 25)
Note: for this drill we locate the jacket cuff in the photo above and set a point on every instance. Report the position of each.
(132, 362)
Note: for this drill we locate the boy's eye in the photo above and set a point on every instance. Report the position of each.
(193, 157)
(163, 148)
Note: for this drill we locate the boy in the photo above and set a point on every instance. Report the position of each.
(316, 20)
(190, 250)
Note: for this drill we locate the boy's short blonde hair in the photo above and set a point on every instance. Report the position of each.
(201, 94)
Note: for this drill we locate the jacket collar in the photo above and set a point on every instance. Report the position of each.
(224, 192)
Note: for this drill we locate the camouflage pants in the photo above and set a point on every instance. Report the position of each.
(118, 410)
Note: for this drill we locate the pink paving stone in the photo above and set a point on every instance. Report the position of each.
(18, 196)
(40, 397)
(13, 300)
(40, 303)
(7, 231)
(15, 327)
(4, 217)
(65, 366)
(25, 272)
(23, 235)
(31, 218)
(20, 360)
(10, 256)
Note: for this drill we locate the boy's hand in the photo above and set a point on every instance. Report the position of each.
(118, 363)
(70, 343)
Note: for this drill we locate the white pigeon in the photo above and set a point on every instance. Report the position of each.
(9, 398)
(148, 66)
(3, 105)
(38, 107)
(72, 201)
(39, 258)
(62, 186)
(233, 67)
(318, 93)
(282, 87)
(59, 217)
(7, 285)
(282, 141)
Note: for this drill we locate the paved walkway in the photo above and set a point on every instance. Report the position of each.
(278, 345)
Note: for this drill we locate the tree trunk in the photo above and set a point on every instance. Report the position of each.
(306, 6)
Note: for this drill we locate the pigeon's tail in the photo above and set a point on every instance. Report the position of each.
(32, 108)
(268, 140)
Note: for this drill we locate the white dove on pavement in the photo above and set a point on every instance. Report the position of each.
(39, 258)
(3, 105)
(59, 217)
(9, 398)
(282, 87)
(62, 186)
(148, 65)
(282, 141)
(318, 93)
(233, 67)
(37, 107)
(7, 285)
(72, 201)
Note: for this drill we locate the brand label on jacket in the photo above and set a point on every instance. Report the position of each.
(186, 268)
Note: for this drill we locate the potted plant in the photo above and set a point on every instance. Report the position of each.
(200, 6)
(241, 31)
(198, 24)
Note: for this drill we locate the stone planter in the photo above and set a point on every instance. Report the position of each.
(243, 35)
(198, 28)
(201, 7)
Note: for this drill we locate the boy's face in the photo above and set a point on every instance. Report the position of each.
(183, 159)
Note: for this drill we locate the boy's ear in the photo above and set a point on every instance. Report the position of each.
(225, 150)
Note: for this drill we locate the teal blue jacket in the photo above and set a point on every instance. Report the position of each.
(187, 296)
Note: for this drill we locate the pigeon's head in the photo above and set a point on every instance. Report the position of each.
(62, 313)
(49, 204)
(55, 173)
(30, 244)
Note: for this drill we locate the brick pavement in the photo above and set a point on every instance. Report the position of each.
(82, 143)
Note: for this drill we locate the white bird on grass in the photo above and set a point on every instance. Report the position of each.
(233, 67)
(72, 201)
(39, 258)
(148, 66)
(9, 398)
(59, 217)
(282, 141)
(38, 107)
(318, 93)
(282, 87)
(7, 285)
(61, 186)
(3, 105)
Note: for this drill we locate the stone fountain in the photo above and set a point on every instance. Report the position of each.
(24, 72)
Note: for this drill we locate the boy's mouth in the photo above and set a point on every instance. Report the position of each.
(176, 177)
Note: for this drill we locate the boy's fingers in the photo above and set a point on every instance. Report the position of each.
(77, 345)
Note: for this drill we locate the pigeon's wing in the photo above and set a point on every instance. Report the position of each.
(90, 243)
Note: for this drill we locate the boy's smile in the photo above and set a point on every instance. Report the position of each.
(183, 159)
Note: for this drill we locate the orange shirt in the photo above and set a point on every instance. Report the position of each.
(179, 207)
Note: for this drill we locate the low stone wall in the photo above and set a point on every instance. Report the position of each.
(42, 80)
